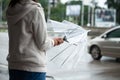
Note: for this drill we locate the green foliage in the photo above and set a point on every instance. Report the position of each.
(74, 2)
(4, 7)
(58, 12)
(113, 4)
(85, 15)
(3, 30)
(44, 4)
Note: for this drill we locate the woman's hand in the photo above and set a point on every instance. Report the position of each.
(58, 41)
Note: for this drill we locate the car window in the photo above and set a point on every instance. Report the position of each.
(114, 34)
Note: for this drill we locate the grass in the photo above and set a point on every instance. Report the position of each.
(3, 30)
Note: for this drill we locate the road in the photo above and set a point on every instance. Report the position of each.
(86, 69)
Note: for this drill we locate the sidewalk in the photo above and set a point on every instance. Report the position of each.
(3, 54)
(3, 72)
(3, 47)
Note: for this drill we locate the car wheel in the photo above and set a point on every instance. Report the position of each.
(118, 59)
(95, 53)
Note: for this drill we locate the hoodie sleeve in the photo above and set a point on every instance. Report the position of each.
(39, 28)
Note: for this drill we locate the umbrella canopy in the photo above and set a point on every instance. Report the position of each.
(68, 54)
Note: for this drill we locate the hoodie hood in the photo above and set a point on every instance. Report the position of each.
(14, 14)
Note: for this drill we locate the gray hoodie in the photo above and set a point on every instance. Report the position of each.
(28, 38)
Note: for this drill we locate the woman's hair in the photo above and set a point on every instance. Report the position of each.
(14, 2)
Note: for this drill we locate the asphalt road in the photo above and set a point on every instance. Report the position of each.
(86, 69)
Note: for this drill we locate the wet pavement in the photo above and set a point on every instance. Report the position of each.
(87, 69)
(94, 70)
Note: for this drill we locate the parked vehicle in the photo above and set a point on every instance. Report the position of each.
(107, 44)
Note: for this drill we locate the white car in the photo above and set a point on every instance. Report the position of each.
(107, 44)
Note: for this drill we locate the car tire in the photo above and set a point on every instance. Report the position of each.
(117, 59)
(95, 53)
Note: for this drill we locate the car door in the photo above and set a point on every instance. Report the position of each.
(111, 44)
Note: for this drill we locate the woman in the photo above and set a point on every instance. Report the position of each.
(28, 40)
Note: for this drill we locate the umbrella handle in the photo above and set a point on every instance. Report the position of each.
(65, 39)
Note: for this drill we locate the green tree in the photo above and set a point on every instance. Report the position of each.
(44, 4)
(85, 15)
(4, 7)
(58, 12)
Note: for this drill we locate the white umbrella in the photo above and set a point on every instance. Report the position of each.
(68, 54)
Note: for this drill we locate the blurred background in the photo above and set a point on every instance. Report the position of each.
(95, 15)
(82, 12)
